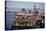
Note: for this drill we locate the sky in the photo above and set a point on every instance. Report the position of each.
(21, 4)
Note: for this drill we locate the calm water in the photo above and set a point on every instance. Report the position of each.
(10, 16)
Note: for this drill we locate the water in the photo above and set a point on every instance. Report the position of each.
(10, 17)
